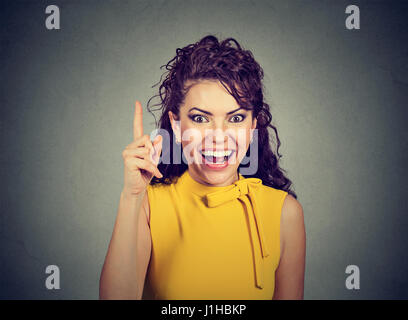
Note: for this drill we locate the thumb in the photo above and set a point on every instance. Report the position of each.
(157, 145)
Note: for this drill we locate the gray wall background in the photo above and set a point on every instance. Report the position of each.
(338, 98)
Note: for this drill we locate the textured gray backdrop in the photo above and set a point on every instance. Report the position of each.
(338, 98)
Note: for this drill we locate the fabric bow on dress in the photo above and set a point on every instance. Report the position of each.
(244, 190)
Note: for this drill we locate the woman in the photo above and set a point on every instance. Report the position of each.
(190, 225)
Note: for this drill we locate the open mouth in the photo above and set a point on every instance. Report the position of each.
(216, 157)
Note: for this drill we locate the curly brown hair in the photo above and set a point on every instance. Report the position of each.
(236, 69)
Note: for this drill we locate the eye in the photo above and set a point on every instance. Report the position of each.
(238, 117)
(198, 118)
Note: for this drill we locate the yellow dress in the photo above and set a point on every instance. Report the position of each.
(214, 243)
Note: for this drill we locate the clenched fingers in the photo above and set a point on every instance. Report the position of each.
(143, 141)
(137, 163)
(141, 152)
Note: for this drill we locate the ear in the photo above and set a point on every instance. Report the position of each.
(254, 122)
(175, 125)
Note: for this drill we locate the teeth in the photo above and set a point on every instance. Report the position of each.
(209, 153)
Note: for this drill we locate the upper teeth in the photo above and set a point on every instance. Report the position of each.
(217, 153)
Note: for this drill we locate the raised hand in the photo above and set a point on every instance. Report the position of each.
(140, 157)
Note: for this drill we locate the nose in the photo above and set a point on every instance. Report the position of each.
(218, 138)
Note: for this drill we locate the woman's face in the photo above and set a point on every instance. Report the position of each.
(214, 131)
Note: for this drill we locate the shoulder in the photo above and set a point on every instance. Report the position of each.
(157, 196)
(292, 220)
(272, 195)
(291, 208)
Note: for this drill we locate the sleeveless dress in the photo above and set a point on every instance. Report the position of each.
(213, 243)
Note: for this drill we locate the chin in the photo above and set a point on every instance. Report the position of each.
(217, 177)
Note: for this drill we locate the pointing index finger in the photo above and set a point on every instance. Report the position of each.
(138, 121)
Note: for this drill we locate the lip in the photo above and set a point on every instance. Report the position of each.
(217, 150)
(217, 166)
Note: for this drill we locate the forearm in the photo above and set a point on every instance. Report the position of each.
(119, 273)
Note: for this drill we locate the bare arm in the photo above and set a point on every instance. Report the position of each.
(289, 276)
(124, 271)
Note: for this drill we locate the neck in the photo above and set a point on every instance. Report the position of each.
(199, 178)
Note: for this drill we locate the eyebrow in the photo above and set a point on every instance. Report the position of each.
(209, 113)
